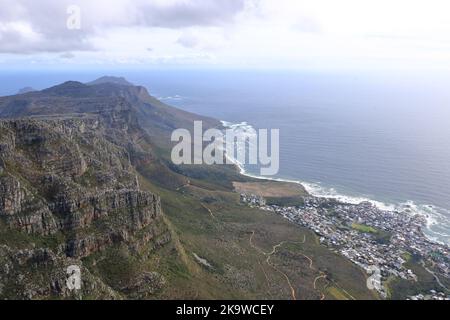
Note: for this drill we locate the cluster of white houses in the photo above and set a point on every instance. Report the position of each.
(366, 235)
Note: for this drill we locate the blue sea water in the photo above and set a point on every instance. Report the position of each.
(379, 135)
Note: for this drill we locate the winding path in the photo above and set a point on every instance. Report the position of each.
(187, 184)
(209, 210)
(288, 280)
(269, 255)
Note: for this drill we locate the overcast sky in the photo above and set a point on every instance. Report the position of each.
(227, 33)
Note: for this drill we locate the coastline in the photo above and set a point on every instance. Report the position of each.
(317, 191)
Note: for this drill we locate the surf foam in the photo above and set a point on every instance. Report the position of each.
(437, 221)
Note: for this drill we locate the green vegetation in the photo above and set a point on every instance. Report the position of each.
(400, 289)
(285, 201)
(407, 256)
(380, 236)
(210, 222)
(383, 237)
(364, 228)
(117, 267)
(337, 293)
(23, 240)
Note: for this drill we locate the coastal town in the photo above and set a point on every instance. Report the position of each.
(372, 238)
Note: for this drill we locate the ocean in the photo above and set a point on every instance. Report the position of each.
(382, 136)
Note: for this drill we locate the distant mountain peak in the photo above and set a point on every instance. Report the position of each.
(74, 97)
(66, 88)
(68, 84)
(110, 79)
(26, 90)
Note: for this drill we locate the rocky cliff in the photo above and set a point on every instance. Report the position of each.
(68, 191)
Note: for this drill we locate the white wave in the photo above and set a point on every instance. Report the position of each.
(242, 129)
(175, 97)
(436, 217)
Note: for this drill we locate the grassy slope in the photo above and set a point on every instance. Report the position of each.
(252, 253)
(203, 209)
(400, 289)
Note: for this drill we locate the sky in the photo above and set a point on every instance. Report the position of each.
(314, 34)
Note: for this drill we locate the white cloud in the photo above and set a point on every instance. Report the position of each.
(67, 55)
(188, 40)
(269, 33)
(43, 25)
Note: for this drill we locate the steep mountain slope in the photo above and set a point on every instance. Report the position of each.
(85, 179)
(68, 190)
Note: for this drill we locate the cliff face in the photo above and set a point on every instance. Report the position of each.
(68, 184)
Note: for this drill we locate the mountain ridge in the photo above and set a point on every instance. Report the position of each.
(87, 180)
(157, 118)
(111, 79)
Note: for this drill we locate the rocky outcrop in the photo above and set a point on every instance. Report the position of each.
(146, 284)
(40, 273)
(20, 209)
(12, 196)
(70, 195)
(75, 176)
